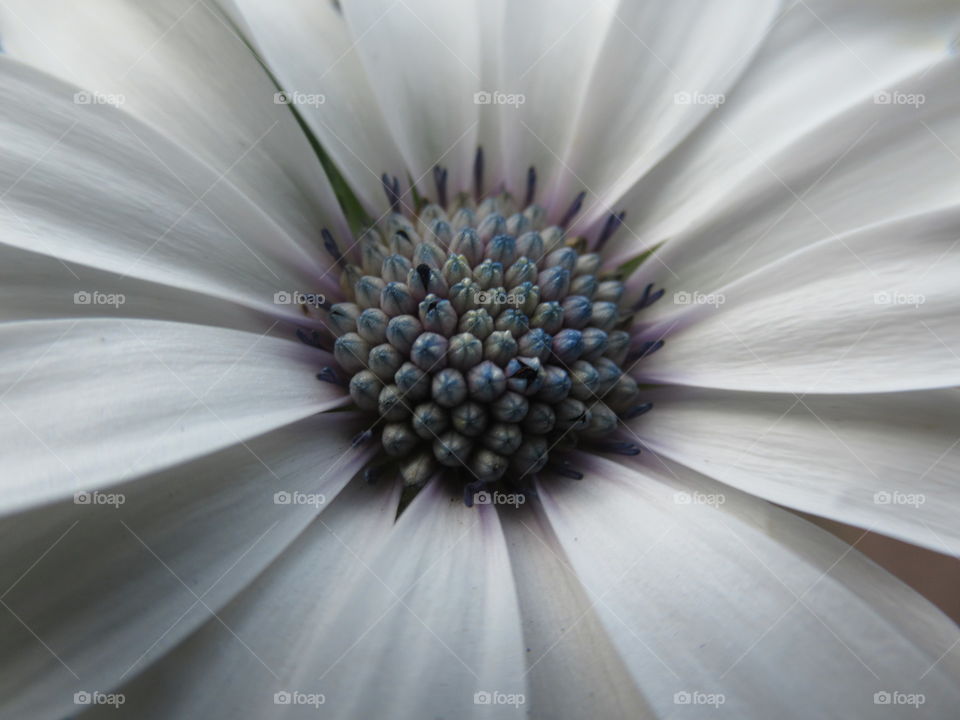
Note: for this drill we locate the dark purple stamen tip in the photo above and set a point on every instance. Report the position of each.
(566, 470)
(471, 489)
(622, 448)
(331, 245)
(574, 208)
(614, 221)
(440, 180)
(649, 297)
(645, 349)
(423, 272)
(329, 375)
(314, 339)
(392, 190)
(372, 474)
(361, 438)
(639, 410)
(478, 174)
(531, 185)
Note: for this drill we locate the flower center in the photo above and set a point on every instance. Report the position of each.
(482, 340)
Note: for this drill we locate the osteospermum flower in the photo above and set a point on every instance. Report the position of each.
(422, 359)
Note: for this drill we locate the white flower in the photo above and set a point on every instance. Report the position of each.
(184, 532)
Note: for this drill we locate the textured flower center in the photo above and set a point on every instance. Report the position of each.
(481, 339)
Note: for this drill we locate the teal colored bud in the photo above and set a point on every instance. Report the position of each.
(449, 388)
(511, 407)
(395, 299)
(469, 418)
(499, 347)
(486, 382)
(402, 330)
(365, 390)
(452, 449)
(429, 352)
(464, 351)
(540, 419)
(343, 318)
(351, 352)
(413, 382)
(503, 438)
(429, 420)
(398, 439)
(384, 361)
(372, 325)
(367, 291)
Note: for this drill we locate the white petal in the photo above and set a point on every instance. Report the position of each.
(744, 600)
(872, 311)
(789, 114)
(572, 667)
(663, 69)
(888, 462)
(273, 651)
(422, 59)
(314, 58)
(549, 52)
(88, 402)
(408, 624)
(93, 593)
(179, 66)
(34, 286)
(439, 603)
(88, 185)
